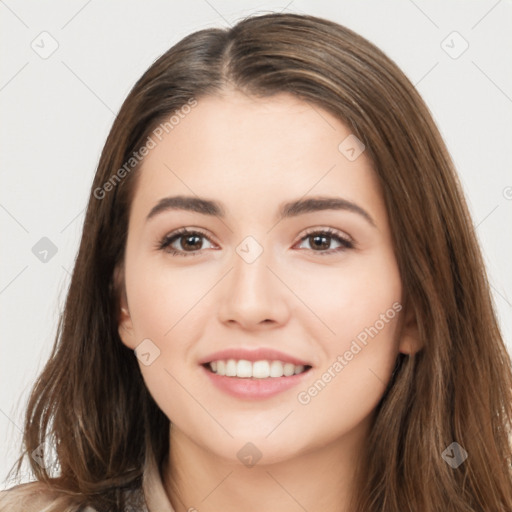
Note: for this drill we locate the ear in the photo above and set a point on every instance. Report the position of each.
(124, 320)
(410, 340)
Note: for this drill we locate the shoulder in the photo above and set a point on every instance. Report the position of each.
(33, 497)
(39, 497)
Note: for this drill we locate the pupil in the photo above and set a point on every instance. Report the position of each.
(324, 245)
(193, 237)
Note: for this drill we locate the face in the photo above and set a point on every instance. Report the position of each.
(285, 280)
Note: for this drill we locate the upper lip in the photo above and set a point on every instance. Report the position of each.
(257, 354)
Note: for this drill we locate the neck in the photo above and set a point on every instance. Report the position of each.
(321, 479)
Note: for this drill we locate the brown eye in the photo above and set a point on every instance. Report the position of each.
(192, 242)
(320, 241)
(183, 243)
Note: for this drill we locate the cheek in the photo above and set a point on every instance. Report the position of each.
(358, 365)
(359, 306)
(161, 296)
(165, 306)
(351, 297)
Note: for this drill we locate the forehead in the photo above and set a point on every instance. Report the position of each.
(254, 152)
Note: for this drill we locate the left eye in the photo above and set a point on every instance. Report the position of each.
(320, 241)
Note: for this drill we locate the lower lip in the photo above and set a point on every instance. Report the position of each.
(251, 388)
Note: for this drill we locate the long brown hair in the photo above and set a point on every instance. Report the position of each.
(458, 388)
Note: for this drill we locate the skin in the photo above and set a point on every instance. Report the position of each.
(252, 155)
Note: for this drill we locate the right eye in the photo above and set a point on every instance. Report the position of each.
(190, 242)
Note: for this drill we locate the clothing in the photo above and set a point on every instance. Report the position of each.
(154, 492)
(32, 497)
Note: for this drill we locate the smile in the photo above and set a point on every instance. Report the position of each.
(256, 380)
(263, 369)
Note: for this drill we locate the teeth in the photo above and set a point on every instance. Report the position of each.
(231, 368)
(243, 368)
(276, 369)
(258, 369)
(299, 369)
(289, 369)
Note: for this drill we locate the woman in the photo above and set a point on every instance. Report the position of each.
(278, 302)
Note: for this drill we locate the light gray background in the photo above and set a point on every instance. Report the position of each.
(57, 111)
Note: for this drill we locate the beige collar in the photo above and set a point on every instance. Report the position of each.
(154, 492)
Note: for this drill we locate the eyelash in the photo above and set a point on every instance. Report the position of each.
(167, 240)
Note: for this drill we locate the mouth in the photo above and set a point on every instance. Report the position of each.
(262, 369)
(254, 380)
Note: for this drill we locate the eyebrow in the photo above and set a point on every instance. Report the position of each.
(287, 210)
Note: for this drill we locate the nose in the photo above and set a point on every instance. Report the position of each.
(252, 296)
